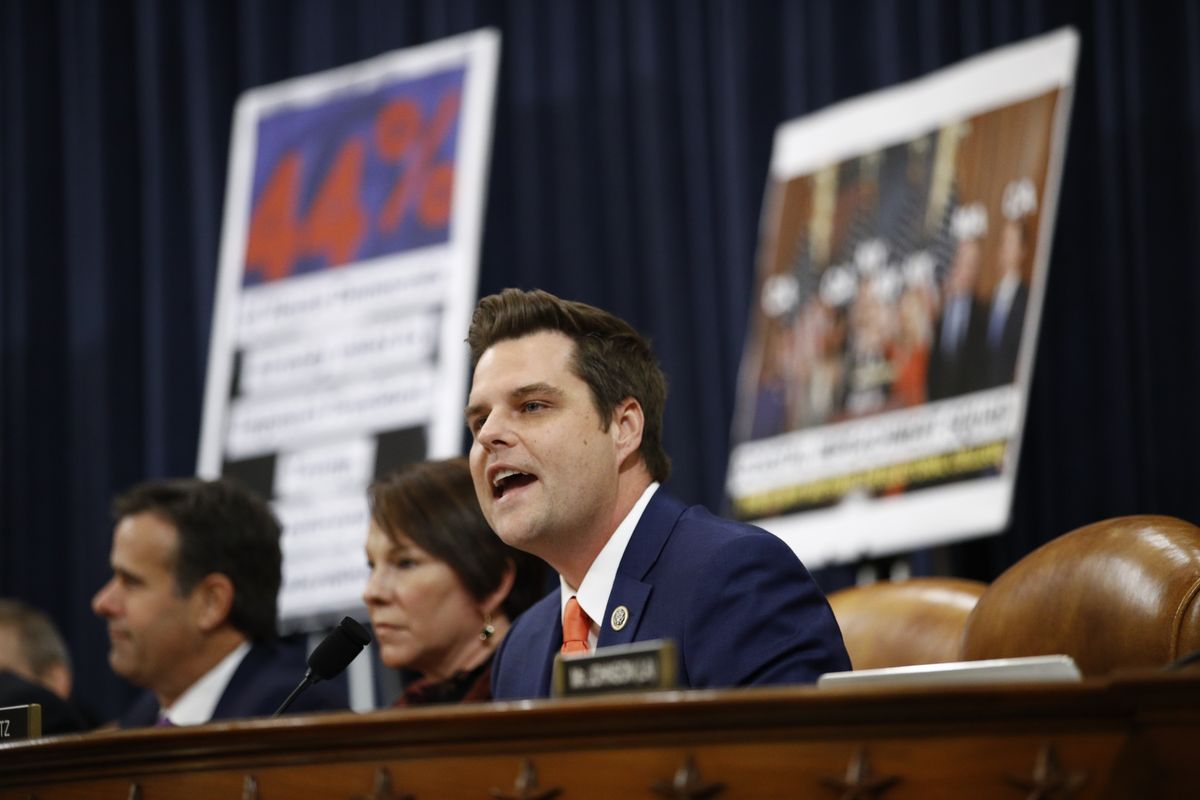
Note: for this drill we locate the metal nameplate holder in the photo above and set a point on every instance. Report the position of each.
(20, 722)
(641, 666)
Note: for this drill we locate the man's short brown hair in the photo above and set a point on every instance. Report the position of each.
(612, 358)
(41, 646)
(222, 527)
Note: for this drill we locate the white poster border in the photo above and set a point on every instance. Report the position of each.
(861, 527)
(479, 51)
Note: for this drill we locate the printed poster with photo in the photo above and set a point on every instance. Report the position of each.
(901, 269)
(348, 271)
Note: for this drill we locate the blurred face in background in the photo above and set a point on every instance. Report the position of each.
(152, 627)
(12, 656)
(424, 617)
(965, 268)
(56, 677)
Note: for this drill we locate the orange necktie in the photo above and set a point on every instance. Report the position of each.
(576, 626)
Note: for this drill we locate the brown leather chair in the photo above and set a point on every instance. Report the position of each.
(917, 621)
(1116, 594)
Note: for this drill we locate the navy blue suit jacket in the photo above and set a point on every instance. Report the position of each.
(736, 601)
(260, 684)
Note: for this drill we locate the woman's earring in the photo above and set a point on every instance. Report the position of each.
(489, 630)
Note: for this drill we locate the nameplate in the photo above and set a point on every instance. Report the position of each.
(20, 722)
(641, 666)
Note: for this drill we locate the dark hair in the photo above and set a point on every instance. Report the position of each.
(434, 504)
(41, 645)
(612, 358)
(222, 528)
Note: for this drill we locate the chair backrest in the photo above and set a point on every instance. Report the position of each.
(1115, 594)
(917, 621)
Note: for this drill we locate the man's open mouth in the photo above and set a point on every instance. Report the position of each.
(507, 479)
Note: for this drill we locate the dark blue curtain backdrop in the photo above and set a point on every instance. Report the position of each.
(631, 148)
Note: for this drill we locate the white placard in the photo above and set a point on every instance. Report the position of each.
(903, 258)
(349, 261)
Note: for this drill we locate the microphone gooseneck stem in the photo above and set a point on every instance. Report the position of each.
(309, 680)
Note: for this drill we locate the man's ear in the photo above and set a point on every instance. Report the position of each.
(628, 423)
(212, 600)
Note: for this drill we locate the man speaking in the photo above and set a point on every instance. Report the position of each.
(565, 412)
(191, 606)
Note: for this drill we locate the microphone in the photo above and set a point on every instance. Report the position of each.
(332, 655)
(1184, 661)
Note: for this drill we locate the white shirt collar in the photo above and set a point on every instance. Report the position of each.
(597, 584)
(196, 705)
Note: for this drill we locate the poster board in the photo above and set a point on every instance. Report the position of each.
(901, 268)
(348, 271)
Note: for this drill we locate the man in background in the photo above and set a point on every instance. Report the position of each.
(191, 606)
(1006, 314)
(566, 410)
(35, 667)
(957, 355)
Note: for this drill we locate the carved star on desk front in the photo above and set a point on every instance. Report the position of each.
(1050, 781)
(859, 783)
(383, 788)
(686, 785)
(526, 786)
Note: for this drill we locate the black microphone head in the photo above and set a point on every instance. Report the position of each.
(338, 649)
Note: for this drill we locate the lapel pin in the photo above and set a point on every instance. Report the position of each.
(620, 616)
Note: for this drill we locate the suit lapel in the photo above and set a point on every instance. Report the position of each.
(630, 596)
(143, 712)
(630, 589)
(231, 701)
(551, 644)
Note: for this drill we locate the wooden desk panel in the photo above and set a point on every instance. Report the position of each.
(1130, 737)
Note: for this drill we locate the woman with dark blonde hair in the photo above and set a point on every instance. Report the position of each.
(443, 589)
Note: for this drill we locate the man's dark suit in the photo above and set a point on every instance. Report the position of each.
(58, 716)
(957, 368)
(1004, 343)
(736, 601)
(260, 684)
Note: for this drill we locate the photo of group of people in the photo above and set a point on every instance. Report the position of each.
(899, 277)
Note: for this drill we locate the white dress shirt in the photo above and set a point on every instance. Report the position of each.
(597, 584)
(954, 324)
(196, 705)
(1005, 291)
